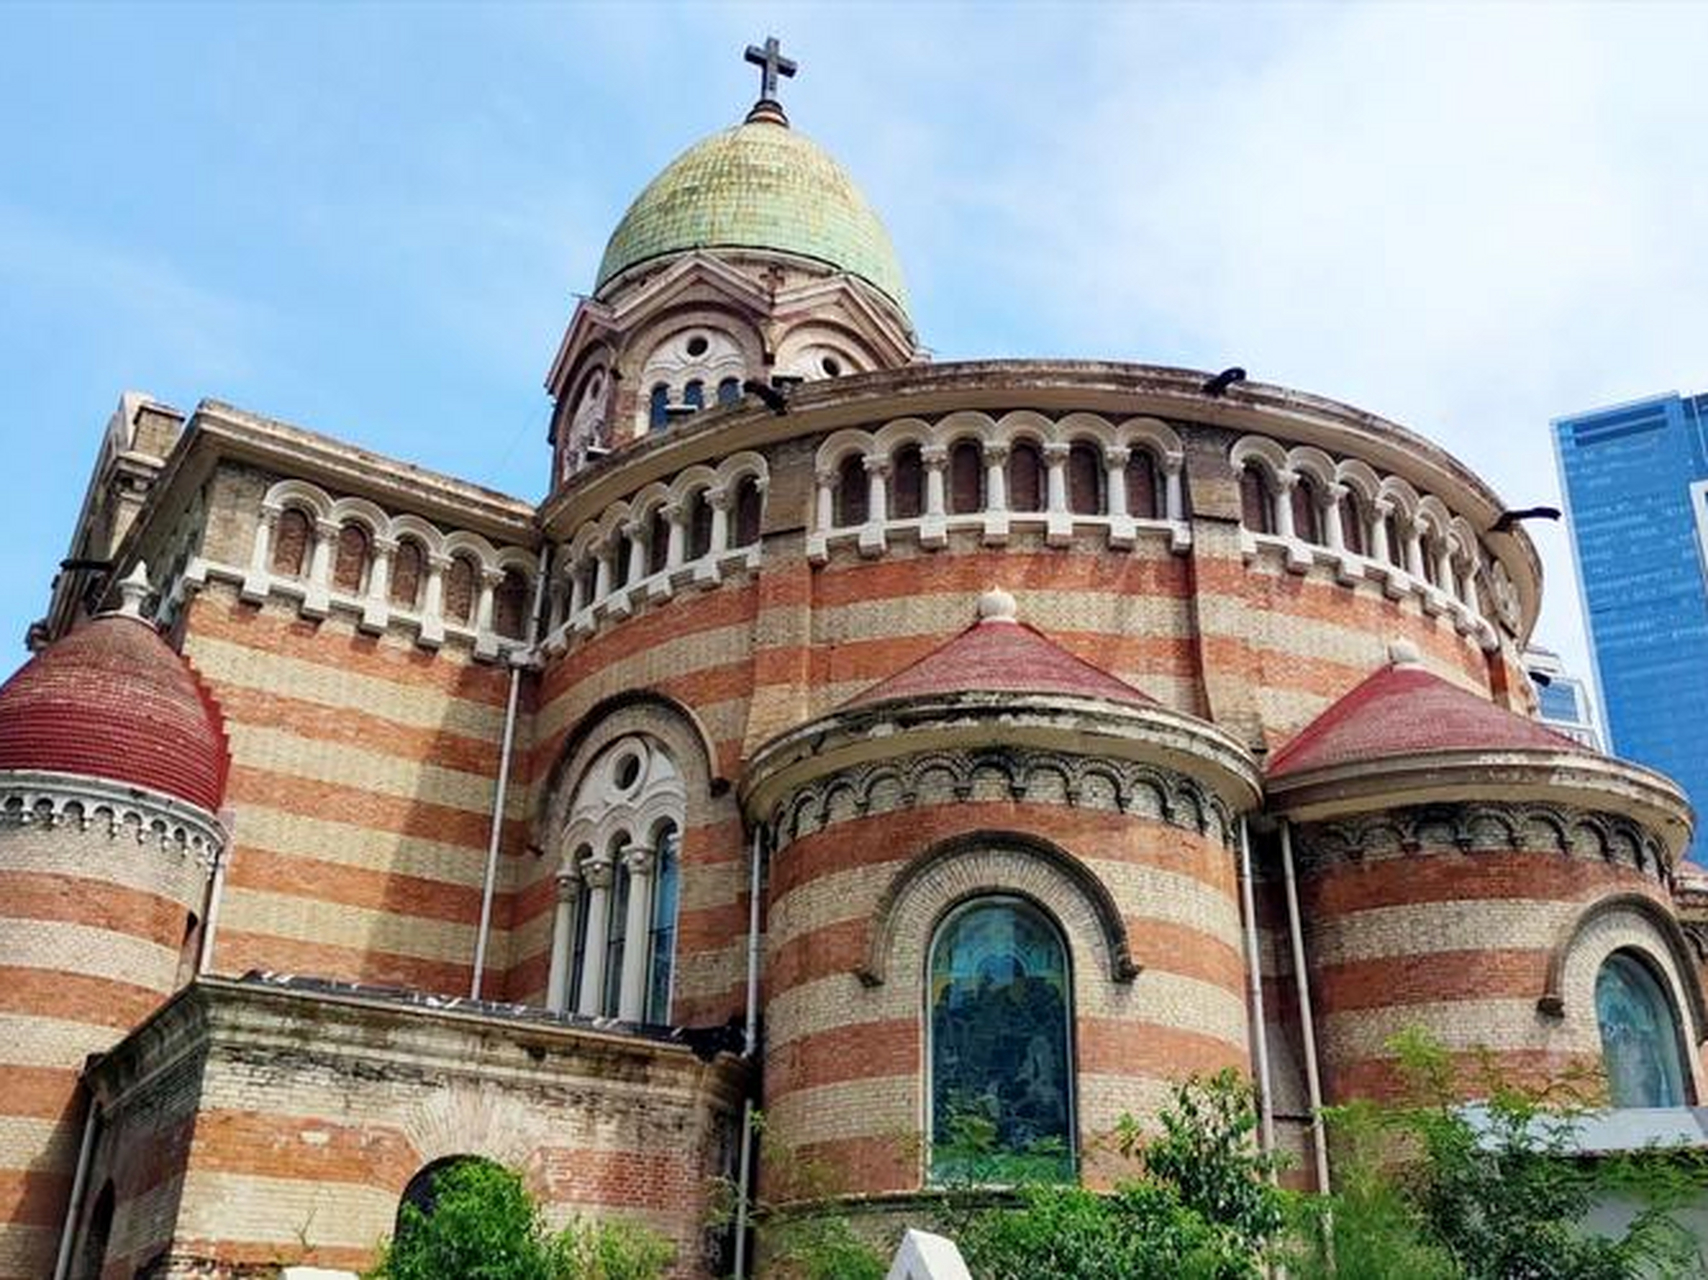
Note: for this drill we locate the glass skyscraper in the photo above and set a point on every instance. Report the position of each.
(1635, 478)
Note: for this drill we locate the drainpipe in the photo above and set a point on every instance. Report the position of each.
(85, 1150)
(1307, 1024)
(1254, 968)
(517, 662)
(216, 893)
(750, 1046)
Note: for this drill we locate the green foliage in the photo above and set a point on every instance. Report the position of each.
(1434, 1190)
(485, 1226)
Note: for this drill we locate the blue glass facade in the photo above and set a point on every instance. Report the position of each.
(1627, 474)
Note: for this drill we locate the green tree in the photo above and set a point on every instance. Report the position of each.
(485, 1226)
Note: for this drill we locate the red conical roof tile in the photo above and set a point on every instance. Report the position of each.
(112, 700)
(1405, 710)
(1001, 655)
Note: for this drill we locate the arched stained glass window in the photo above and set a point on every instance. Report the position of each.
(658, 408)
(1639, 1035)
(999, 1005)
(661, 954)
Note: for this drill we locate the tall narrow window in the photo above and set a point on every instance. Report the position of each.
(619, 562)
(578, 944)
(657, 541)
(1141, 485)
(1000, 1006)
(459, 590)
(1352, 525)
(587, 574)
(966, 477)
(1025, 477)
(1639, 1035)
(616, 934)
(694, 394)
(1396, 548)
(699, 525)
(851, 492)
(350, 567)
(510, 606)
(408, 567)
(290, 543)
(658, 408)
(1256, 499)
(661, 950)
(907, 484)
(729, 390)
(749, 506)
(1085, 479)
(1307, 513)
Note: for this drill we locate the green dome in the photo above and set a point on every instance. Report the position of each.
(757, 186)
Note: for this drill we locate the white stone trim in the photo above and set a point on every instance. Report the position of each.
(30, 797)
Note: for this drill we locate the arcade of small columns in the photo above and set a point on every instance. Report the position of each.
(588, 883)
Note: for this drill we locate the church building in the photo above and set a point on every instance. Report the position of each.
(862, 738)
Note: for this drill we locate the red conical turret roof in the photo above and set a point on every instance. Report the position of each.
(112, 700)
(1000, 654)
(1404, 710)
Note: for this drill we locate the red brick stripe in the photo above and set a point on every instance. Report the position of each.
(1439, 975)
(1463, 877)
(48, 896)
(75, 997)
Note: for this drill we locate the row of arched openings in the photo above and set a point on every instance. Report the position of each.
(406, 586)
(746, 512)
(1025, 477)
(693, 397)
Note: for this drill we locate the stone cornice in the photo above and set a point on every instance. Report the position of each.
(870, 737)
(1594, 782)
(1054, 386)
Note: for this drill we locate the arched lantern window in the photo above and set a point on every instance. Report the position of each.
(459, 590)
(1307, 510)
(350, 565)
(1352, 526)
(408, 568)
(966, 477)
(1025, 477)
(510, 605)
(1639, 1035)
(699, 525)
(290, 543)
(1000, 1008)
(907, 484)
(658, 408)
(1256, 499)
(749, 505)
(1141, 485)
(1085, 479)
(851, 487)
(657, 541)
(694, 394)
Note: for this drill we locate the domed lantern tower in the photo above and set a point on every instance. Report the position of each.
(112, 770)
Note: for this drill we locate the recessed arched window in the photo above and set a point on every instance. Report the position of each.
(616, 933)
(657, 541)
(966, 477)
(999, 1006)
(1256, 499)
(1085, 479)
(1352, 525)
(699, 525)
(1141, 485)
(1396, 548)
(694, 394)
(658, 408)
(510, 604)
(1307, 511)
(350, 565)
(907, 484)
(290, 543)
(620, 561)
(1025, 477)
(749, 506)
(408, 568)
(1639, 1035)
(851, 491)
(459, 590)
(729, 390)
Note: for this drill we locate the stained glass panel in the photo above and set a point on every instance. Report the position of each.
(1001, 1070)
(1639, 1036)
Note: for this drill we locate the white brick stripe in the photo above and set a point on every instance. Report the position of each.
(91, 952)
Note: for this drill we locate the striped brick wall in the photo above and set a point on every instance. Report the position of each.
(92, 940)
(845, 1067)
(1458, 943)
(312, 1114)
(363, 776)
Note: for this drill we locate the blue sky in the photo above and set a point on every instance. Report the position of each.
(371, 220)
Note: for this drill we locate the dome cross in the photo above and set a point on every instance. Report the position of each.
(769, 58)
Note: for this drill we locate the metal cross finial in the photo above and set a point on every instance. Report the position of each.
(774, 64)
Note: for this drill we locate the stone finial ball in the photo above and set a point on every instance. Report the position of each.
(997, 605)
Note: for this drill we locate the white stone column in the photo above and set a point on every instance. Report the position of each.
(719, 500)
(485, 639)
(259, 579)
(376, 609)
(824, 516)
(1298, 555)
(601, 571)
(563, 941)
(872, 540)
(934, 528)
(1393, 583)
(995, 493)
(597, 872)
(1444, 567)
(1332, 528)
(637, 930)
(1173, 493)
(1121, 527)
(1413, 535)
(676, 545)
(433, 601)
(639, 544)
(318, 602)
(1058, 520)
